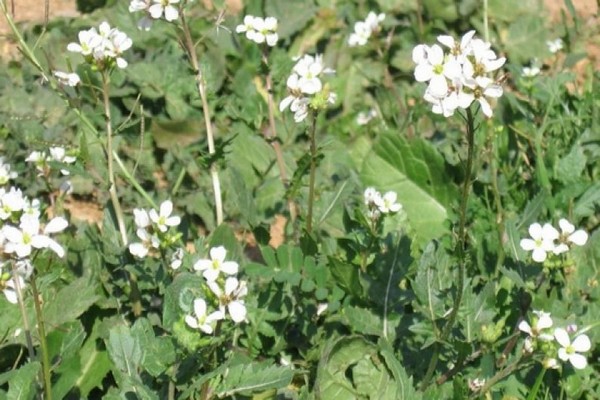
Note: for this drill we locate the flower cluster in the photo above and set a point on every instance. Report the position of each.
(378, 204)
(154, 9)
(306, 89)
(5, 172)
(102, 48)
(153, 229)
(364, 29)
(259, 30)
(22, 232)
(226, 292)
(565, 343)
(55, 154)
(546, 239)
(555, 45)
(458, 77)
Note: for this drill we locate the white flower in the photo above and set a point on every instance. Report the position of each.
(165, 7)
(540, 322)
(201, 320)
(139, 5)
(482, 88)
(476, 384)
(371, 196)
(530, 72)
(482, 60)
(212, 267)
(577, 237)
(541, 242)
(5, 172)
(11, 202)
(59, 154)
(387, 203)
(308, 69)
(570, 351)
(550, 363)
(176, 259)
(247, 26)
(321, 308)
(149, 241)
(163, 220)
(364, 29)
(364, 118)
(89, 40)
(231, 297)
(141, 218)
(433, 68)
(22, 241)
(66, 78)
(555, 45)
(259, 30)
(458, 50)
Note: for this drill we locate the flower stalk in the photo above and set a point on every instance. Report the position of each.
(312, 173)
(201, 84)
(44, 346)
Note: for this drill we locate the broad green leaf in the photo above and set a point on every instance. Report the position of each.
(180, 296)
(79, 296)
(295, 13)
(247, 379)
(570, 168)
(124, 350)
(404, 383)
(526, 39)
(94, 363)
(415, 171)
(22, 384)
(589, 202)
(158, 352)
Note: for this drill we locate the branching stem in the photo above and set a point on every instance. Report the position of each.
(42, 334)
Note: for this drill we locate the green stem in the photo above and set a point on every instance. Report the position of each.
(201, 85)
(109, 156)
(313, 168)
(42, 333)
(21, 303)
(486, 29)
(536, 386)
(461, 249)
(133, 181)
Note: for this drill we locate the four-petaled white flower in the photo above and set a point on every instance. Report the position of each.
(230, 298)
(540, 323)
(211, 268)
(259, 30)
(28, 236)
(541, 242)
(5, 172)
(570, 351)
(103, 47)
(570, 235)
(163, 218)
(164, 7)
(201, 320)
(387, 203)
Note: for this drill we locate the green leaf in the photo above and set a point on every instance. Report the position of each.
(246, 379)
(22, 384)
(406, 390)
(570, 168)
(295, 13)
(124, 350)
(415, 171)
(158, 352)
(78, 296)
(526, 40)
(588, 204)
(94, 363)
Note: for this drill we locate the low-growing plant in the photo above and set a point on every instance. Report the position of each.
(421, 224)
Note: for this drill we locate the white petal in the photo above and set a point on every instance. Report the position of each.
(549, 232)
(578, 361)
(582, 343)
(562, 337)
(285, 103)
(230, 267)
(562, 354)
(155, 11)
(211, 274)
(423, 72)
(200, 307)
(57, 224)
(446, 40)
(524, 327)
(539, 255)
(138, 250)
(191, 321)
(438, 86)
(566, 226)
(527, 244)
(237, 310)
(171, 13)
(218, 253)
(485, 107)
(579, 237)
(230, 285)
(535, 231)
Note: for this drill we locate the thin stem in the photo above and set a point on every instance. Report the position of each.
(499, 376)
(21, 302)
(536, 386)
(191, 50)
(109, 156)
(461, 248)
(313, 168)
(486, 29)
(42, 334)
(271, 137)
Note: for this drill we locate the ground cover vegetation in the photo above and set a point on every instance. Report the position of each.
(301, 200)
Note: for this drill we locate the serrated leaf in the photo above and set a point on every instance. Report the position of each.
(246, 379)
(94, 363)
(404, 383)
(415, 171)
(526, 39)
(589, 202)
(570, 167)
(158, 352)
